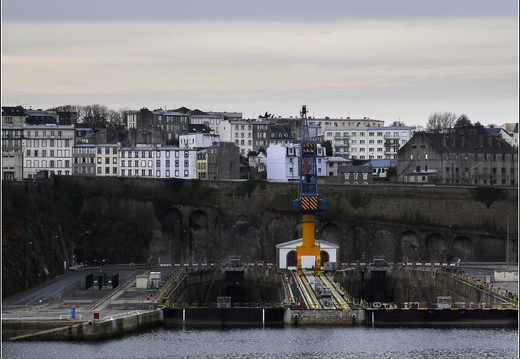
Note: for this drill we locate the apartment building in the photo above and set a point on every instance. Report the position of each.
(223, 161)
(346, 122)
(458, 158)
(174, 162)
(84, 160)
(107, 159)
(202, 164)
(367, 143)
(283, 162)
(47, 147)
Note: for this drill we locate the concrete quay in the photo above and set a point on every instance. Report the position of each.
(60, 310)
(45, 313)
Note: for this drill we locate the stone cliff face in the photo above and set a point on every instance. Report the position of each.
(118, 220)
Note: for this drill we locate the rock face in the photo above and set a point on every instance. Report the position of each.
(121, 220)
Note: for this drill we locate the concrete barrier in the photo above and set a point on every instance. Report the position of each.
(112, 328)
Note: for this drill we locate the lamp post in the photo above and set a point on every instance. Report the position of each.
(85, 248)
(27, 243)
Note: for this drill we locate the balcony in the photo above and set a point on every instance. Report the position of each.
(391, 137)
(391, 144)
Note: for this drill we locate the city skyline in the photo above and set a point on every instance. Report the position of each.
(387, 61)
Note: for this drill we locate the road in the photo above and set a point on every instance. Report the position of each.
(55, 298)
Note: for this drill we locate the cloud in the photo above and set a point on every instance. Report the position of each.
(365, 67)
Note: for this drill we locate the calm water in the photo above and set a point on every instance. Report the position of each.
(288, 342)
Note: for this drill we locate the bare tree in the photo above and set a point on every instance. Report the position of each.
(440, 122)
(69, 114)
(96, 116)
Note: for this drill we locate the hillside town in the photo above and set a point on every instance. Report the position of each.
(193, 144)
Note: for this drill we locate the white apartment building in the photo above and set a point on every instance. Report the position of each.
(47, 147)
(198, 140)
(137, 162)
(107, 160)
(238, 132)
(367, 143)
(210, 119)
(283, 162)
(346, 122)
(174, 162)
(12, 154)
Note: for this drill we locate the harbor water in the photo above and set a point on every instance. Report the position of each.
(287, 342)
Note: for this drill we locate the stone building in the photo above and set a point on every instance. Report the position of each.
(459, 158)
(223, 161)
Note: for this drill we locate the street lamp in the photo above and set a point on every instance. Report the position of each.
(27, 243)
(85, 248)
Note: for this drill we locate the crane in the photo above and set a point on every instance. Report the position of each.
(308, 202)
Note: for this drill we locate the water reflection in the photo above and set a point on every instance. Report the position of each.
(288, 342)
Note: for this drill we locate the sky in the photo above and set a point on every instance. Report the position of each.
(386, 60)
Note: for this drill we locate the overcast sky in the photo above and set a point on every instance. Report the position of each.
(388, 60)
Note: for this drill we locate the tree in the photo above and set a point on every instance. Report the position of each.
(95, 116)
(397, 124)
(440, 122)
(328, 148)
(463, 123)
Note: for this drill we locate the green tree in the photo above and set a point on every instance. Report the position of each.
(462, 123)
(487, 195)
(328, 148)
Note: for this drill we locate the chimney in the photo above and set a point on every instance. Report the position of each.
(444, 140)
(481, 140)
(462, 140)
(453, 140)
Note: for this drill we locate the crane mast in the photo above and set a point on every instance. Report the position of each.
(308, 202)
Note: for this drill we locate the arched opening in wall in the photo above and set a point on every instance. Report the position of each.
(291, 259)
(354, 248)
(198, 219)
(241, 220)
(198, 245)
(410, 247)
(170, 248)
(324, 257)
(330, 232)
(276, 233)
(385, 245)
(437, 248)
(172, 219)
(298, 231)
(462, 249)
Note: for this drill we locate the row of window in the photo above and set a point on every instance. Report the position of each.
(50, 153)
(370, 134)
(43, 143)
(477, 170)
(149, 173)
(51, 164)
(149, 154)
(46, 133)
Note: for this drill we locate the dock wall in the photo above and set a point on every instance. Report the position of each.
(324, 317)
(75, 330)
